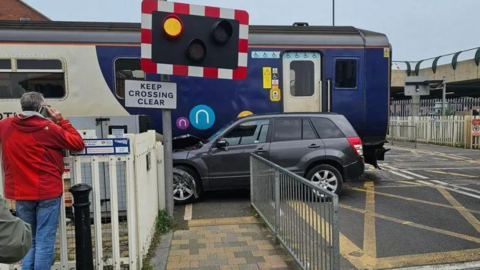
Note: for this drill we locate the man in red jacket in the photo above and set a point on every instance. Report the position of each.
(33, 165)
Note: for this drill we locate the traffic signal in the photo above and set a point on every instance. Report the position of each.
(191, 40)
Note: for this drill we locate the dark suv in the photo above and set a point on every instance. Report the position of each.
(322, 147)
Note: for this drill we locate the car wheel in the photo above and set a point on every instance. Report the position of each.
(327, 177)
(185, 182)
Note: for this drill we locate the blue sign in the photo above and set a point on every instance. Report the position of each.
(202, 117)
(99, 147)
(301, 55)
(265, 55)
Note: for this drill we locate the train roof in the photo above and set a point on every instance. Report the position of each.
(129, 33)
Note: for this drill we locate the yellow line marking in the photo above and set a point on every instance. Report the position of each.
(369, 236)
(455, 174)
(430, 258)
(464, 212)
(413, 200)
(361, 260)
(440, 172)
(348, 249)
(222, 221)
(416, 225)
(188, 212)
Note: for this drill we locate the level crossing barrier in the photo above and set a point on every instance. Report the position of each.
(302, 216)
(127, 192)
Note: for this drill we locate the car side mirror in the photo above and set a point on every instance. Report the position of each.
(222, 143)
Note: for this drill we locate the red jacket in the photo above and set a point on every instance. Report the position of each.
(32, 156)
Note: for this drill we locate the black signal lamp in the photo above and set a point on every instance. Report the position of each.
(196, 50)
(222, 31)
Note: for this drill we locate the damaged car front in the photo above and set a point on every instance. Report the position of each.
(190, 165)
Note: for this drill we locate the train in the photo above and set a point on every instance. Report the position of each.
(81, 68)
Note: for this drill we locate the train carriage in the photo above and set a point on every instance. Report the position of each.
(81, 68)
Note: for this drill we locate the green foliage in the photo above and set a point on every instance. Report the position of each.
(163, 222)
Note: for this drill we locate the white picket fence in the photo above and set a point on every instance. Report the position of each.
(455, 131)
(126, 197)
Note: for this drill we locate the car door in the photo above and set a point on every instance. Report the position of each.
(336, 144)
(229, 166)
(293, 143)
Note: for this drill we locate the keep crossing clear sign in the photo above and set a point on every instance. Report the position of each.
(149, 94)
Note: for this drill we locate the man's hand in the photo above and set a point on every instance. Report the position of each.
(54, 114)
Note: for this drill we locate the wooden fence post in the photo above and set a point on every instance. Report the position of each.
(468, 132)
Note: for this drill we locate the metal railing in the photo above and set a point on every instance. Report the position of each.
(303, 216)
(433, 107)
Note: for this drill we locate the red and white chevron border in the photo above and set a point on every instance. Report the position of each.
(148, 6)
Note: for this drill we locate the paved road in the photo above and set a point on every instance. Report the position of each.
(422, 208)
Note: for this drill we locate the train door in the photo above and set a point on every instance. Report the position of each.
(302, 86)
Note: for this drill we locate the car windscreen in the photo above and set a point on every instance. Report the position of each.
(220, 130)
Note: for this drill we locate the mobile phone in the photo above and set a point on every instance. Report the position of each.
(43, 111)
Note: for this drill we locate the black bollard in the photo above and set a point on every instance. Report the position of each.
(83, 234)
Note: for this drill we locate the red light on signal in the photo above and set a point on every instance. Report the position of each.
(173, 26)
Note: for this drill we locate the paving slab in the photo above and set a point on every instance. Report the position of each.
(226, 243)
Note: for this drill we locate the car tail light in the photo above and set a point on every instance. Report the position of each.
(357, 145)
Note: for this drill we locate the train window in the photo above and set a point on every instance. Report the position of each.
(43, 76)
(34, 64)
(127, 69)
(302, 78)
(5, 64)
(346, 73)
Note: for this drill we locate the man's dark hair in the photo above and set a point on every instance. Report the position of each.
(31, 101)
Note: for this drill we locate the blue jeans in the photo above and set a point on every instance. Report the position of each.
(43, 217)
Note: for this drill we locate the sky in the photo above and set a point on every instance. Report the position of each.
(417, 29)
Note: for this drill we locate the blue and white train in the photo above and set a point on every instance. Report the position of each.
(81, 68)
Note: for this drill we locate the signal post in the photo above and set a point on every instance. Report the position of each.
(190, 40)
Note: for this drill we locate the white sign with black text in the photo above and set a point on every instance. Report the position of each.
(148, 94)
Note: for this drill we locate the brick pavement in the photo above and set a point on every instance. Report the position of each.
(228, 243)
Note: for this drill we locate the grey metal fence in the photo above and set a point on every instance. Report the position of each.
(303, 216)
(433, 107)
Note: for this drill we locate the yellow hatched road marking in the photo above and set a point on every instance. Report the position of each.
(416, 225)
(430, 258)
(413, 200)
(449, 156)
(361, 260)
(348, 249)
(461, 209)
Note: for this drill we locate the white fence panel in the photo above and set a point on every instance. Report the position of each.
(441, 130)
(146, 188)
(127, 193)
